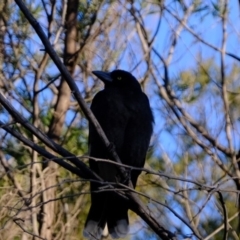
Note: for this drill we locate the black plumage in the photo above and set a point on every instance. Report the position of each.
(124, 113)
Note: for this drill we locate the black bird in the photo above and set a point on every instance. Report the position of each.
(124, 113)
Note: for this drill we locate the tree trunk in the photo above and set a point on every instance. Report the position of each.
(61, 107)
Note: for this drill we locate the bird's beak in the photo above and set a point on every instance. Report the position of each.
(104, 76)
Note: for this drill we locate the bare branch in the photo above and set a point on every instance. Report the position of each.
(16, 220)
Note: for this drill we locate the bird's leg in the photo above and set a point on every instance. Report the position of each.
(127, 177)
(123, 179)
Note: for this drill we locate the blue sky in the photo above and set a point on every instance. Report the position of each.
(209, 28)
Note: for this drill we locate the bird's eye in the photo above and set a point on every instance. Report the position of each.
(119, 78)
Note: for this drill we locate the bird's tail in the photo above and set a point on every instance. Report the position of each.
(92, 230)
(117, 218)
(110, 210)
(97, 217)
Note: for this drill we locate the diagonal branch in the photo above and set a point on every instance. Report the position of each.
(42, 151)
(85, 171)
(197, 36)
(172, 100)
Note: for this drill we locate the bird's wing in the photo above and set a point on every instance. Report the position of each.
(137, 135)
(113, 118)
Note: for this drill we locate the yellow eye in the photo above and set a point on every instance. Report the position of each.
(119, 78)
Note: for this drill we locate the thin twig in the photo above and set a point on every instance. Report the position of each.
(225, 218)
(24, 230)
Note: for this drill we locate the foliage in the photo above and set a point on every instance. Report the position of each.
(184, 53)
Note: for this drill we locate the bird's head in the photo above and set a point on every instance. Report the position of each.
(118, 78)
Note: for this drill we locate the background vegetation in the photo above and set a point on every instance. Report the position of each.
(185, 54)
